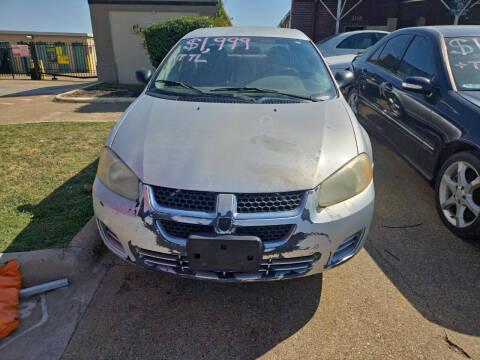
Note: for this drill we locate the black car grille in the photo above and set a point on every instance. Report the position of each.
(206, 201)
(184, 230)
(266, 233)
(185, 199)
(269, 233)
(269, 202)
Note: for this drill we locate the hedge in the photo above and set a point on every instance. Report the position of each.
(160, 38)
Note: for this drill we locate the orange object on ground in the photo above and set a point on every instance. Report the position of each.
(10, 284)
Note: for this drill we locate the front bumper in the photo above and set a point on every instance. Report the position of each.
(322, 238)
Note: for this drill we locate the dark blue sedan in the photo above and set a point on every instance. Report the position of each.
(418, 89)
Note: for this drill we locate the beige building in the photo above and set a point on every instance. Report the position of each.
(16, 37)
(74, 53)
(116, 26)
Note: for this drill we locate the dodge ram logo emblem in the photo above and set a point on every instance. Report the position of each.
(224, 223)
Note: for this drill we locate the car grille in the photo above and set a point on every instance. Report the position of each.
(206, 201)
(184, 230)
(269, 202)
(266, 233)
(270, 268)
(185, 199)
(270, 233)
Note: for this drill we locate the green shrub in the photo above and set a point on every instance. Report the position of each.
(221, 16)
(160, 38)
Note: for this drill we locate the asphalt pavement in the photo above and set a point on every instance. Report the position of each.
(412, 293)
(26, 101)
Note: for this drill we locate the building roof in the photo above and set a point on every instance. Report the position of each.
(45, 33)
(453, 30)
(248, 31)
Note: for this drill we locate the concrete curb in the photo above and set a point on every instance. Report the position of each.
(40, 266)
(104, 100)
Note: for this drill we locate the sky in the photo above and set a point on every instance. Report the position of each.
(74, 15)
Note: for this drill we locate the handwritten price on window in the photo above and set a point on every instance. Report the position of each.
(460, 65)
(199, 45)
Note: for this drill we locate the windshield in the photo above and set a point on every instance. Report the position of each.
(253, 66)
(464, 56)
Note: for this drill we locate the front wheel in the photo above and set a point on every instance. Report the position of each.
(457, 194)
(353, 101)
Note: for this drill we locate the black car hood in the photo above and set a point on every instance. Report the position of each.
(472, 96)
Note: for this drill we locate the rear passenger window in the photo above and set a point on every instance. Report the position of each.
(418, 60)
(374, 57)
(392, 52)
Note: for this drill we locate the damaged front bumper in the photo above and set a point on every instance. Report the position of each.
(321, 238)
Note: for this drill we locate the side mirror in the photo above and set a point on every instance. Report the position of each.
(143, 76)
(344, 78)
(418, 84)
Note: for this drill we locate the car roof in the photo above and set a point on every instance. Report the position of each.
(348, 33)
(248, 31)
(448, 30)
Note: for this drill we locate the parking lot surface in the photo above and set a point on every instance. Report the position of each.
(412, 293)
(26, 101)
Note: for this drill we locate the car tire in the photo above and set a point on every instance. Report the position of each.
(457, 194)
(352, 100)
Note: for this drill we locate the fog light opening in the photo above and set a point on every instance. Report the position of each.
(111, 240)
(346, 250)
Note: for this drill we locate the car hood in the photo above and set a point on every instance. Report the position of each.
(225, 147)
(472, 96)
(340, 61)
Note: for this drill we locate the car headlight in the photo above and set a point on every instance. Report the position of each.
(115, 175)
(348, 181)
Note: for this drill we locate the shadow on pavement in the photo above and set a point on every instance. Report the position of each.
(102, 107)
(165, 317)
(436, 271)
(58, 217)
(46, 90)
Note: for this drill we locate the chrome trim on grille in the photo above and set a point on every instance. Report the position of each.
(157, 207)
(211, 215)
(270, 269)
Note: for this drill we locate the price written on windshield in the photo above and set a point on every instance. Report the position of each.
(459, 46)
(196, 47)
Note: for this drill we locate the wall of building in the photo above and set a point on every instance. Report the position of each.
(116, 24)
(311, 17)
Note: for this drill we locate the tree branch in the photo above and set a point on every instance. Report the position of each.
(326, 7)
(444, 3)
(349, 10)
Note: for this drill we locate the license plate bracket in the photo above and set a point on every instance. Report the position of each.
(225, 253)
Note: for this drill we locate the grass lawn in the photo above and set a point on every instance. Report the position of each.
(43, 170)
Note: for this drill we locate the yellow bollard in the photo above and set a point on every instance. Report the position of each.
(43, 76)
(89, 65)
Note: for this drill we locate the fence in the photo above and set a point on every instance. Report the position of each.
(39, 60)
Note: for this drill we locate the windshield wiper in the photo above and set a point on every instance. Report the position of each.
(179, 84)
(271, 91)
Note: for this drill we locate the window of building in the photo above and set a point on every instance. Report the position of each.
(418, 60)
(392, 52)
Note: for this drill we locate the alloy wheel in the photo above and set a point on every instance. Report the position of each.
(459, 194)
